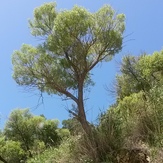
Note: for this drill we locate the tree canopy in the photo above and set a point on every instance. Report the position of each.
(31, 130)
(139, 73)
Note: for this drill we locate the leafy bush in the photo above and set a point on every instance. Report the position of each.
(11, 150)
(62, 154)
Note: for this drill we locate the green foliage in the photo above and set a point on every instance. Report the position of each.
(47, 132)
(131, 80)
(44, 17)
(143, 76)
(63, 133)
(74, 42)
(64, 153)
(139, 101)
(11, 150)
(24, 127)
(38, 147)
(32, 134)
(139, 74)
(20, 128)
(72, 125)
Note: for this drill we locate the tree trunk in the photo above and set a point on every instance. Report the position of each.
(85, 124)
(81, 111)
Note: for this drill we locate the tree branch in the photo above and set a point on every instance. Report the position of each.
(3, 160)
(75, 68)
(73, 113)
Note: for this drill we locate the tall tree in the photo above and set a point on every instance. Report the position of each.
(73, 43)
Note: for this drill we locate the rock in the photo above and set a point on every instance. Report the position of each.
(133, 156)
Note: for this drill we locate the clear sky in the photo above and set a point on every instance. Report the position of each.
(144, 33)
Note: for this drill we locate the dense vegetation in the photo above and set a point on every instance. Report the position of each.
(26, 135)
(130, 131)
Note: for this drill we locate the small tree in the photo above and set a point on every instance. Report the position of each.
(27, 129)
(10, 151)
(74, 42)
(18, 128)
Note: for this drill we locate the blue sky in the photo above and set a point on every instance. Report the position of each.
(144, 33)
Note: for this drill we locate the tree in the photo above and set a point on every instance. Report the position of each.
(18, 129)
(73, 43)
(139, 74)
(22, 126)
(139, 90)
(48, 133)
(10, 151)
